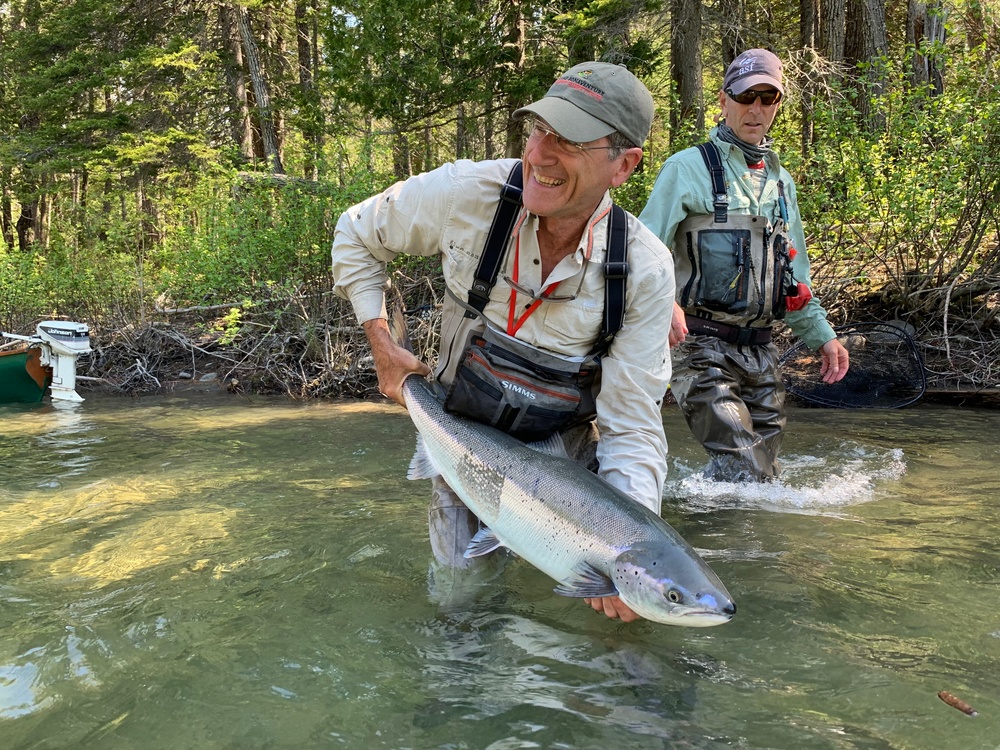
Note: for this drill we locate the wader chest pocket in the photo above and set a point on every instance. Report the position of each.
(524, 398)
(724, 270)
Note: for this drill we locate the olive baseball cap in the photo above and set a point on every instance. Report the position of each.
(753, 67)
(594, 99)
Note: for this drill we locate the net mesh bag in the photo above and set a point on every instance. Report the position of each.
(886, 372)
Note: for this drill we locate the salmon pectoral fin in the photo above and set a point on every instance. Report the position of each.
(484, 542)
(587, 582)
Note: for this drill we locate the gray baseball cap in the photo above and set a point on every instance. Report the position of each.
(753, 67)
(594, 99)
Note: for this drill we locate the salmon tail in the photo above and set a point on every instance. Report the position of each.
(397, 322)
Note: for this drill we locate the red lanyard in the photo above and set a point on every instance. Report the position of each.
(513, 322)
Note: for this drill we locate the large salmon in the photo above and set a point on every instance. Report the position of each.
(567, 522)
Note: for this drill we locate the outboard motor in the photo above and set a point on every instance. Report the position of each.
(62, 342)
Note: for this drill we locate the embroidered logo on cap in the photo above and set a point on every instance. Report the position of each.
(578, 80)
(747, 66)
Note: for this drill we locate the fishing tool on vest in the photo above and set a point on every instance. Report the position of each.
(797, 294)
(887, 370)
(511, 385)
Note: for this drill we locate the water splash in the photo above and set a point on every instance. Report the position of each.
(848, 474)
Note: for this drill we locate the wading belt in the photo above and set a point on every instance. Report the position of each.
(743, 335)
(615, 266)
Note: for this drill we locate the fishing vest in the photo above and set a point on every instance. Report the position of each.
(733, 269)
(509, 384)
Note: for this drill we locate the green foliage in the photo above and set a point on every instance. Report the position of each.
(633, 194)
(117, 131)
(414, 56)
(908, 185)
(226, 239)
(257, 241)
(231, 324)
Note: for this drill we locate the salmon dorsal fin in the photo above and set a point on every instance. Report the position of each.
(421, 465)
(552, 446)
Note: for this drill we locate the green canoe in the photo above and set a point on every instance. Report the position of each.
(23, 378)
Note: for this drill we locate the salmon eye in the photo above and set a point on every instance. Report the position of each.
(675, 596)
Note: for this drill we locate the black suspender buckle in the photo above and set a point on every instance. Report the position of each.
(511, 193)
(616, 270)
(721, 206)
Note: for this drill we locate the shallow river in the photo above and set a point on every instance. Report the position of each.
(222, 572)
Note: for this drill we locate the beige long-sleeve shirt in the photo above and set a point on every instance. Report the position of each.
(448, 212)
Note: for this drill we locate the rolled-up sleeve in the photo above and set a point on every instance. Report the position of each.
(405, 218)
(810, 323)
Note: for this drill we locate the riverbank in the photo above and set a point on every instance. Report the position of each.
(311, 347)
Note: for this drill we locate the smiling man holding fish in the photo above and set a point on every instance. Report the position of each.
(553, 321)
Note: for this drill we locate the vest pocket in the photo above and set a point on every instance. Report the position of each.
(523, 398)
(724, 270)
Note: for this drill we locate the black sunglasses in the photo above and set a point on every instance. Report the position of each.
(767, 98)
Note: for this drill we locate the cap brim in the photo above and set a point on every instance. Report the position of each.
(567, 119)
(744, 83)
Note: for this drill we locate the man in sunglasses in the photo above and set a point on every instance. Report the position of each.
(728, 211)
(544, 301)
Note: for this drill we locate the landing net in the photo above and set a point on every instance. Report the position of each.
(886, 372)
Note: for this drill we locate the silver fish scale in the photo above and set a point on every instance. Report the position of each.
(568, 515)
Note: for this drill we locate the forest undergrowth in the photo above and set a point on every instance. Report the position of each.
(308, 344)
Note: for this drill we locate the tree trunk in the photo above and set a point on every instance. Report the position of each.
(832, 29)
(268, 133)
(401, 166)
(313, 120)
(865, 47)
(488, 150)
(925, 30)
(6, 209)
(808, 20)
(734, 20)
(687, 118)
(26, 226)
(461, 133)
(428, 147)
(514, 145)
(149, 232)
(241, 124)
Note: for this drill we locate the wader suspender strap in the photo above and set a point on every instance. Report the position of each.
(615, 274)
(615, 266)
(496, 240)
(720, 198)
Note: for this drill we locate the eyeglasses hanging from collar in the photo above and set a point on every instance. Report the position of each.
(543, 297)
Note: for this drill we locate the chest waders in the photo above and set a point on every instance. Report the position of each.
(518, 388)
(734, 279)
(733, 270)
